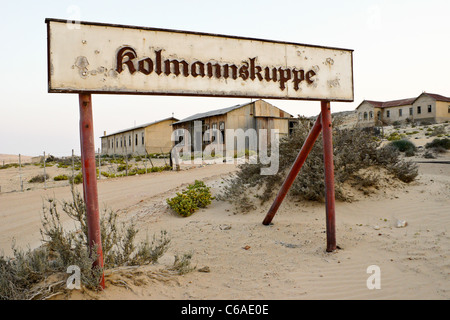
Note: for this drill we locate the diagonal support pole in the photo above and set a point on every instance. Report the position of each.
(323, 123)
(295, 169)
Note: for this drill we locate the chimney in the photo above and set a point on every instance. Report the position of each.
(104, 133)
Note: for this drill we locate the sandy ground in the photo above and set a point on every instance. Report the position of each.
(287, 260)
(284, 261)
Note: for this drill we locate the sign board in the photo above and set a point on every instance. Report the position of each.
(117, 59)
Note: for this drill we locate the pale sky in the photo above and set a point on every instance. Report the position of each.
(401, 48)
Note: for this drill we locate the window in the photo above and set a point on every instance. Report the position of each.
(365, 115)
(359, 116)
(129, 140)
(142, 138)
(388, 113)
(448, 109)
(400, 112)
(410, 111)
(121, 142)
(371, 114)
(419, 110)
(117, 143)
(136, 139)
(379, 115)
(429, 108)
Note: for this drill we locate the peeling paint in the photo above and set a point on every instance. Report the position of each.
(329, 61)
(82, 63)
(334, 83)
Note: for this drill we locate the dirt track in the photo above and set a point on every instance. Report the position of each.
(20, 212)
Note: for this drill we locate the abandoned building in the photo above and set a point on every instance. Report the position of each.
(255, 115)
(148, 138)
(426, 108)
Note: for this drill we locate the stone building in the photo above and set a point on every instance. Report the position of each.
(255, 115)
(148, 138)
(426, 108)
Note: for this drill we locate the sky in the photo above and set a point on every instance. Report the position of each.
(401, 49)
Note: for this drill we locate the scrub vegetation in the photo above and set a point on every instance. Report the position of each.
(31, 274)
(359, 159)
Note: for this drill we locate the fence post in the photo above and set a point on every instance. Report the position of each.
(73, 168)
(20, 173)
(99, 165)
(45, 175)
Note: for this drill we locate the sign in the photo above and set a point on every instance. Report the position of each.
(117, 59)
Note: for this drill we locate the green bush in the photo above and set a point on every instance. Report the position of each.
(61, 177)
(77, 179)
(403, 145)
(195, 196)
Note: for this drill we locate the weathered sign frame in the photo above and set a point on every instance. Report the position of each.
(296, 64)
(323, 124)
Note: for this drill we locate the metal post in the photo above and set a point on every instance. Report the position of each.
(89, 179)
(299, 161)
(329, 175)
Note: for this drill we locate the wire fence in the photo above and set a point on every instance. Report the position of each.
(46, 171)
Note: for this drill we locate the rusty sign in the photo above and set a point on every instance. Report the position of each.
(117, 59)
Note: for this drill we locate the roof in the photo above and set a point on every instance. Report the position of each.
(403, 102)
(139, 127)
(437, 97)
(392, 103)
(212, 113)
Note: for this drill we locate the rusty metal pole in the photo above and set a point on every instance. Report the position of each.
(329, 175)
(90, 180)
(299, 161)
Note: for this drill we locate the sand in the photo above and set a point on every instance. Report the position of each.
(284, 261)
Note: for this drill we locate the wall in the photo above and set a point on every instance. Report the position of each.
(394, 114)
(367, 108)
(424, 101)
(157, 137)
(124, 143)
(442, 111)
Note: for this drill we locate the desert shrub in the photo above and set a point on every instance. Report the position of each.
(39, 178)
(61, 177)
(403, 145)
(108, 175)
(404, 171)
(395, 136)
(354, 150)
(439, 143)
(123, 167)
(182, 264)
(77, 179)
(438, 131)
(20, 274)
(9, 165)
(196, 195)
